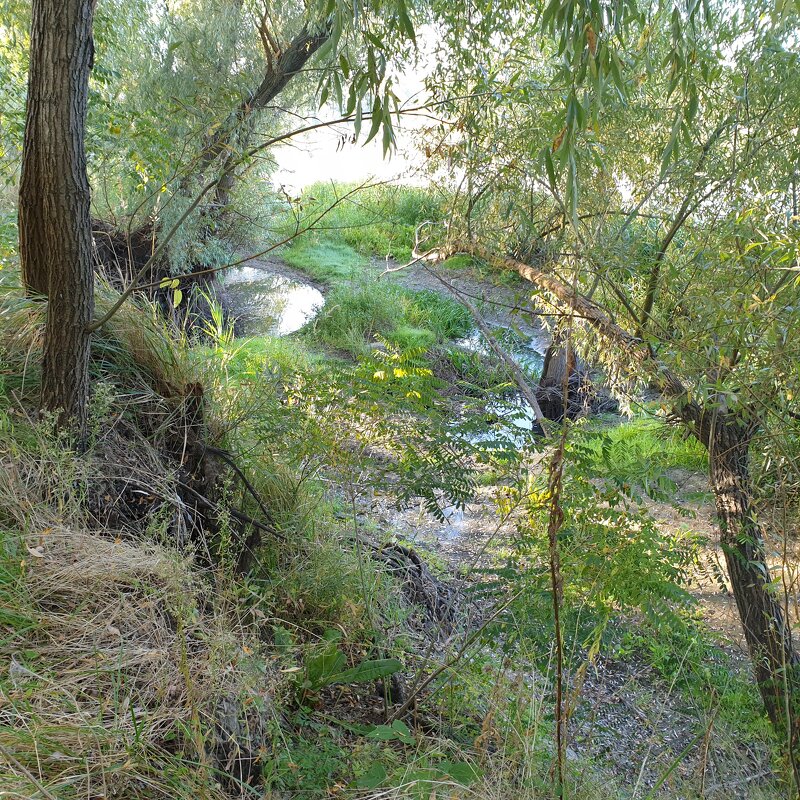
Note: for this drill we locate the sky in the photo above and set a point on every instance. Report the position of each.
(327, 154)
(321, 156)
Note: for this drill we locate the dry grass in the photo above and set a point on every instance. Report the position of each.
(135, 346)
(120, 660)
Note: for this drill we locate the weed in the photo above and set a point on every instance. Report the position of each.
(325, 260)
(375, 221)
(640, 452)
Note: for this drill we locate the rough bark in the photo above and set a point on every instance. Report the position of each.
(775, 662)
(55, 225)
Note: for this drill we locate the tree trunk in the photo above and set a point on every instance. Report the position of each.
(279, 72)
(768, 635)
(54, 218)
(561, 368)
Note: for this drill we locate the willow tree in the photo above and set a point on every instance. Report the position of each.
(194, 116)
(634, 163)
(199, 91)
(54, 199)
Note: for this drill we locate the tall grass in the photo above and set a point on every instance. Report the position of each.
(136, 348)
(117, 658)
(375, 221)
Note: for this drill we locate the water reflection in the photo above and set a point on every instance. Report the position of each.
(506, 420)
(266, 303)
(527, 352)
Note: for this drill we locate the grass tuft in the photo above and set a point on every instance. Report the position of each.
(355, 315)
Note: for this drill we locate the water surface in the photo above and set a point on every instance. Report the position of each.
(267, 303)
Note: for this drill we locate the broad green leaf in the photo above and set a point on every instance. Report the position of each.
(398, 731)
(460, 771)
(372, 778)
(368, 671)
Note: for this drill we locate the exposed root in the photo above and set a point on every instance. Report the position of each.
(440, 601)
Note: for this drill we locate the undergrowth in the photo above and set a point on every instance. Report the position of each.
(374, 221)
(354, 316)
(145, 663)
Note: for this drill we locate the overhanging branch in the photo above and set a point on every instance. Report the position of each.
(639, 358)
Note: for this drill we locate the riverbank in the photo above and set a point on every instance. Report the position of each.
(636, 712)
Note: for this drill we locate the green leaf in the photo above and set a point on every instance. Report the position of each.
(372, 778)
(283, 638)
(357, 122)
(396, 732)
(344, 65)
(691, 109)
(325, 665)
(377, 118)
(405, 21)
(670, 151)
(550, 167)
(352, 97)
(368, 671)
(460, 771)
(387, 134)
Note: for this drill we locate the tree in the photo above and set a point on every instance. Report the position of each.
(55, 227)
(206, 85)
(650, 204)
(54, 198)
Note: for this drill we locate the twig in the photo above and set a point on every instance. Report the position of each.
(415, 691)
(24, 770)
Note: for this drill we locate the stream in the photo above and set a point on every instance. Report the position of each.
(269, 299)
(266, 302)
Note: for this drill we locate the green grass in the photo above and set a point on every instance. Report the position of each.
(643, 449)
(374, 221)
(8, 238)
(244, 360)
(309, 577)
(355, 315)
(325, 259)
